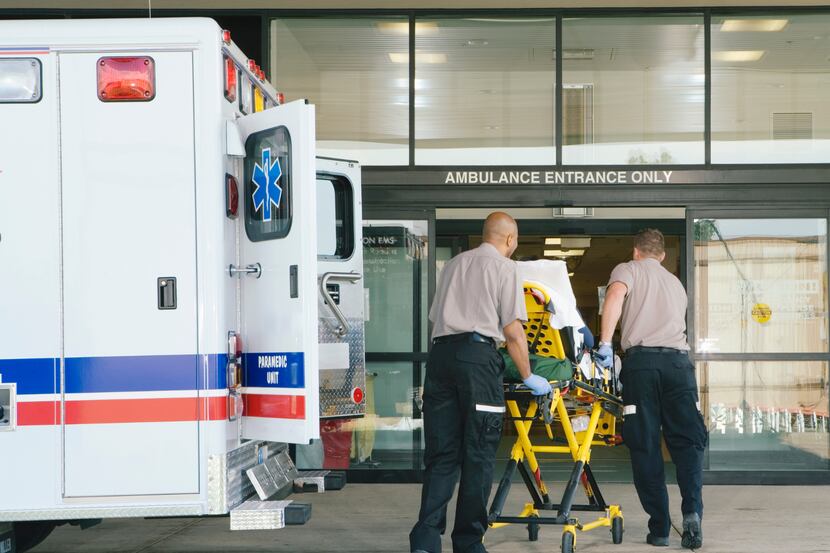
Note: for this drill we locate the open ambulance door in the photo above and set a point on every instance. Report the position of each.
(278, 273)
(341, 298)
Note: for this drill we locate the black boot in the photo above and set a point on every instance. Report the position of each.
(692, 532)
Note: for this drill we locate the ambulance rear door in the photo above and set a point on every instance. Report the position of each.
(278, 274)
(340, 286)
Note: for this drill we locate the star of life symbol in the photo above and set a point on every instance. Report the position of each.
(267, 192)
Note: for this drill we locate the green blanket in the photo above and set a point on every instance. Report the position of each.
(547, 367)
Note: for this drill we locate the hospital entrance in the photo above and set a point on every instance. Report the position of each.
(590, 242)
(765, 411)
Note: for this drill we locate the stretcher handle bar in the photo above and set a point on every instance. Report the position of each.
(347, 277)
(597, 392)
(520, 391)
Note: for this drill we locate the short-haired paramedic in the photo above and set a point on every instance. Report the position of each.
(659, 387)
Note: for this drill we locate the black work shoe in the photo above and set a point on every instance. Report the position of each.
(658, 542)
(692, 532)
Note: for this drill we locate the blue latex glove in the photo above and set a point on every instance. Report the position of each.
(538, 385)
(587, 337)
(604, 356)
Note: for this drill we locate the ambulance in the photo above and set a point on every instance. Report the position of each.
(180, 278)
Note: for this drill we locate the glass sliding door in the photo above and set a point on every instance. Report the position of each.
(760, 335)
(387, 444)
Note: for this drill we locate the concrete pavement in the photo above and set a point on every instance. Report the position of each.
(376, 518)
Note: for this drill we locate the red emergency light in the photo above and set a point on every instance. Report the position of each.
(126, 79)
(226, 36)
(252, 65)
(231, 197)
(230, 79)
(280, 98)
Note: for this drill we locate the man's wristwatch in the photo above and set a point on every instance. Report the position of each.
(601, 343)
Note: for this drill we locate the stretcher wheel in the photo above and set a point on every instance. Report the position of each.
(568, 540)
(617, 530)
(533, 530)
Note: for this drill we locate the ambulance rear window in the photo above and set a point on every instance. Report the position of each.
(268, 184)
(335, 218)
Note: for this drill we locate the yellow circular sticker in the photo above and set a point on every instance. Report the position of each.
(761, 312)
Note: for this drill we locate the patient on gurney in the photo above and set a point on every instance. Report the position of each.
(551, 277)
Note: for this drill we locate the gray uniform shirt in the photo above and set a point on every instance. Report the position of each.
(654, 311)
(480, 291)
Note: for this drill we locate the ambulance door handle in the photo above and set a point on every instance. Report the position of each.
(254, 269)
(343, 329)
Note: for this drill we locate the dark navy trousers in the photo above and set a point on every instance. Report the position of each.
(660, 392)
(463, 417)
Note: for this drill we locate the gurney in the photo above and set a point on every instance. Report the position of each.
(584, 405)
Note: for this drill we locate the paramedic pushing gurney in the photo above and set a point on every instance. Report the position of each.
(479, 300)
(659, 388)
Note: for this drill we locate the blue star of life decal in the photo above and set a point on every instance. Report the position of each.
(267, 192)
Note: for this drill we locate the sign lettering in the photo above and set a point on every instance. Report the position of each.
(272, 361)
(558, 177)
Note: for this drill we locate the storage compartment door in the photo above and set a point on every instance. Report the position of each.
(130, 399)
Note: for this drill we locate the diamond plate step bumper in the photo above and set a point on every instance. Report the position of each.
(269, 515)
(319, 481)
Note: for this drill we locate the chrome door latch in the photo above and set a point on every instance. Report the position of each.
(254, 269)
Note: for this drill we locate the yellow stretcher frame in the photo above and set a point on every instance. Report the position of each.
(594, 398)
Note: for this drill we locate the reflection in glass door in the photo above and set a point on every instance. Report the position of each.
(396, 269)
(761, 339)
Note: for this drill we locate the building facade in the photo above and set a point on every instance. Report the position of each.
(712, 124)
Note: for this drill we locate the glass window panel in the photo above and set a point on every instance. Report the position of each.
(267, 203)
(335, 236)
(766, 415)
(633, 90)
(388, 436)
(326, 218)
(484, 91)
(395, 276)
(770, 84)
(760, 285)
(355, 71)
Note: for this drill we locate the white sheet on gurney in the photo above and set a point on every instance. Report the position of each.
(552, 277)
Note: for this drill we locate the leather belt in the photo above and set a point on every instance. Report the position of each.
(647, 349)
(464, 337)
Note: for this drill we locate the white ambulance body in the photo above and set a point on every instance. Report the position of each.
(158, 212)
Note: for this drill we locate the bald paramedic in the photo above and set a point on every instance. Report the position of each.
(479, 302)
(659, 387)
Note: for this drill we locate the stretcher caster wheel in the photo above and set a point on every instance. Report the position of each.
(617, 530)
(568, 540)
(533, 530)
